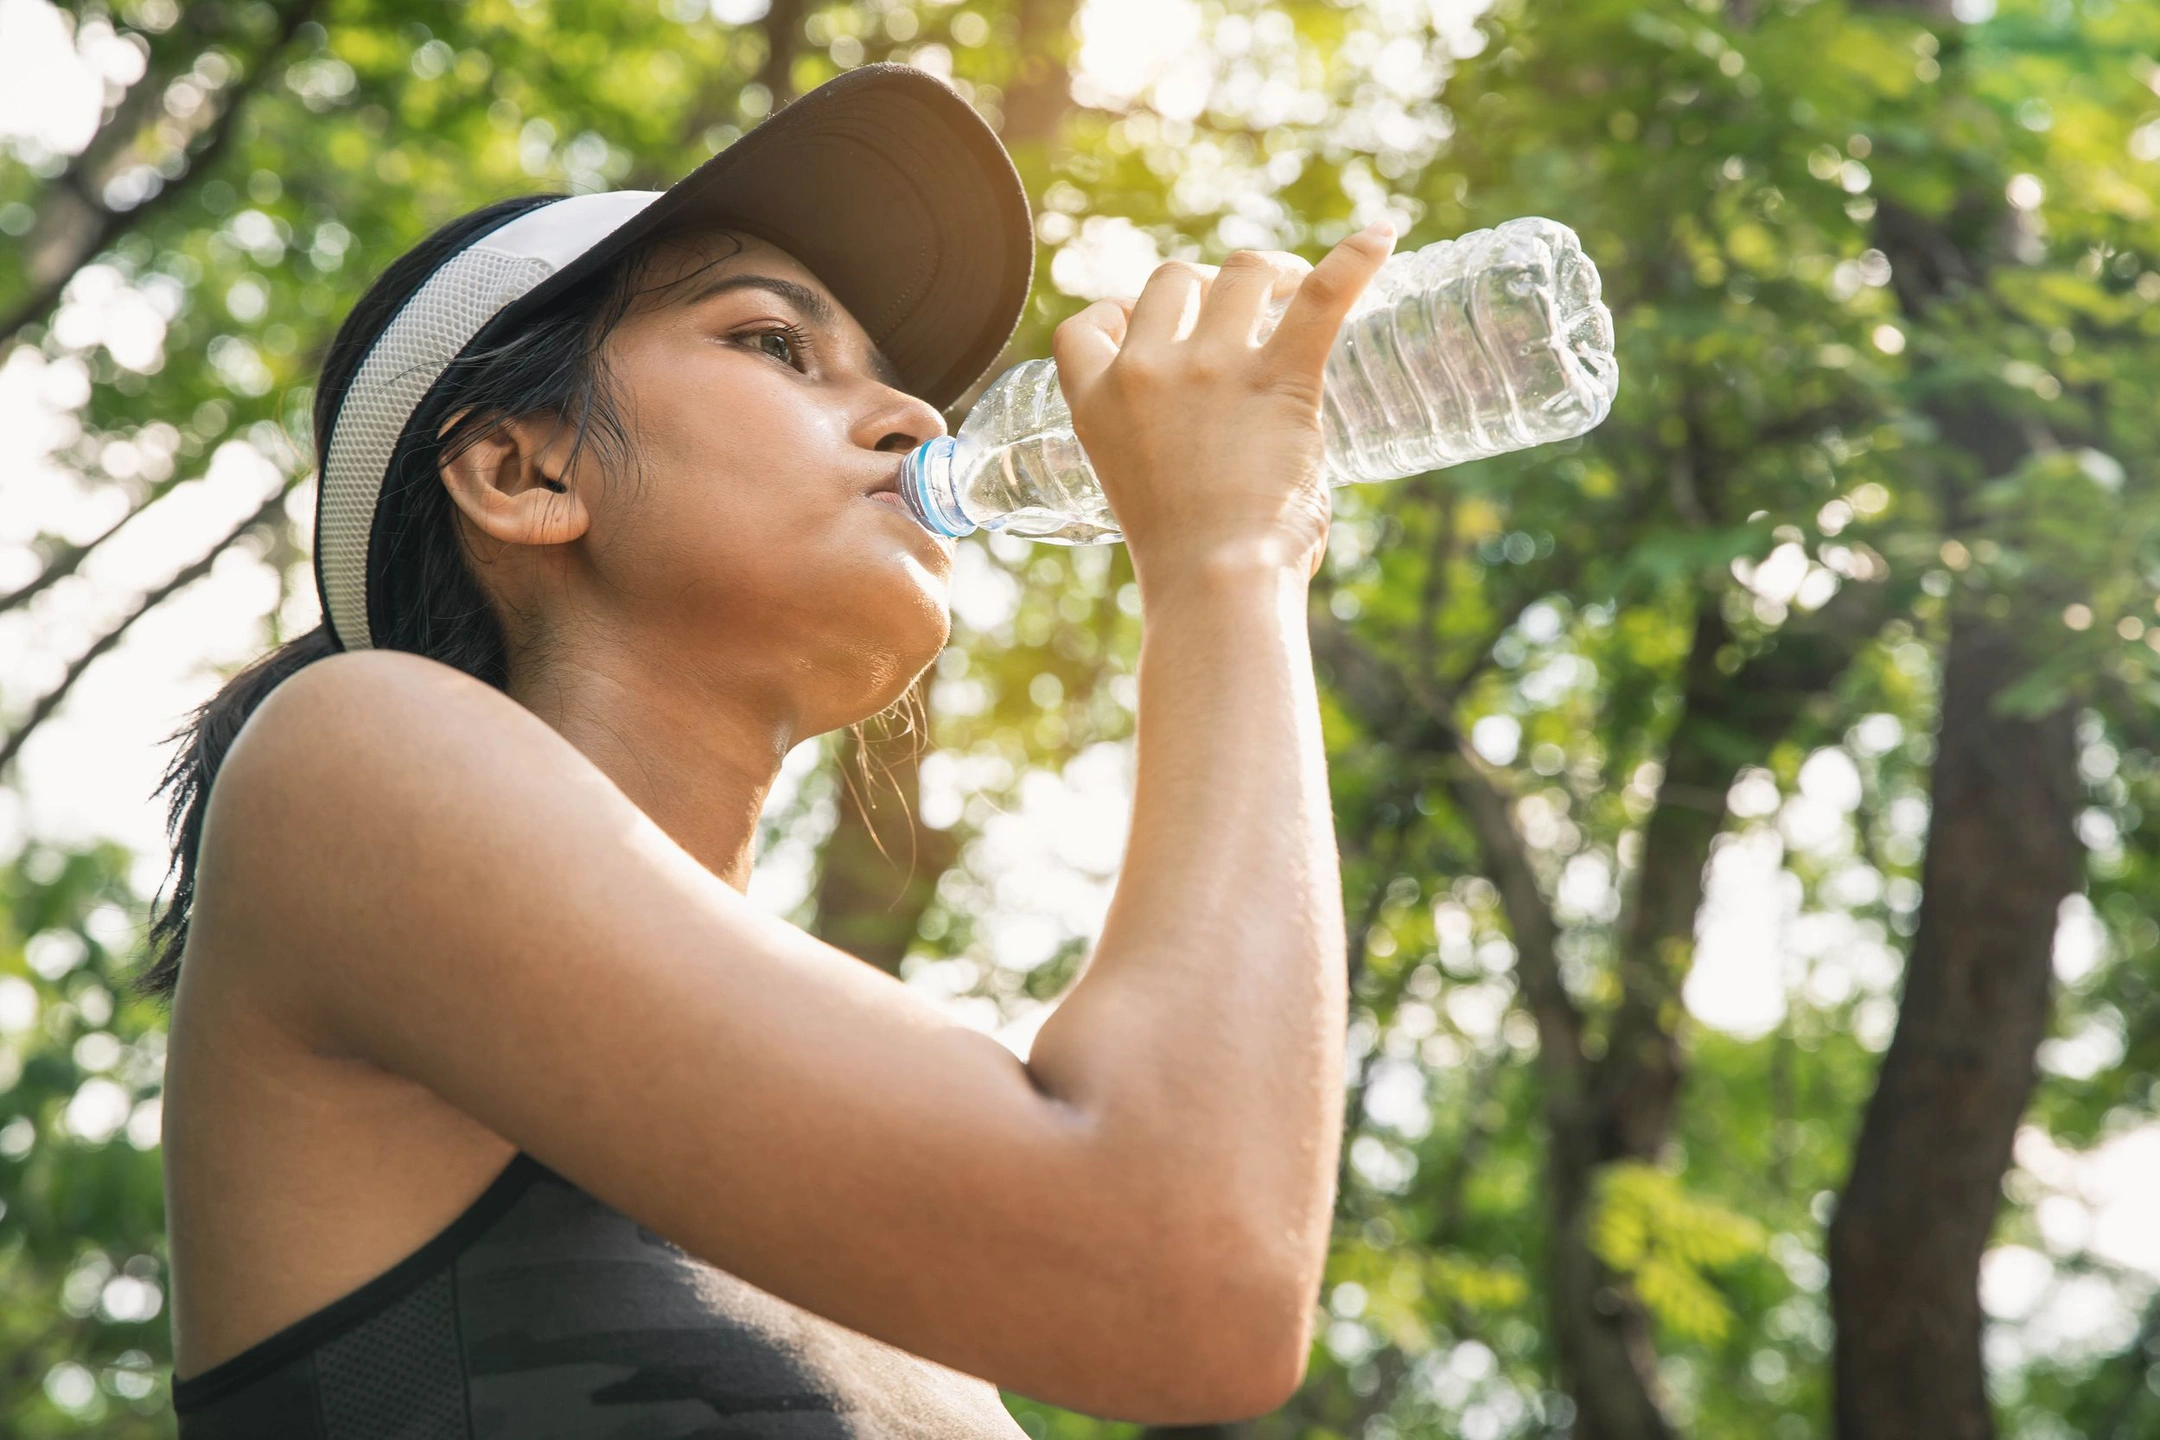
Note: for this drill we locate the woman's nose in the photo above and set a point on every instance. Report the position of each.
(899, 423)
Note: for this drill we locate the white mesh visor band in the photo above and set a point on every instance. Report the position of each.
(440, 320)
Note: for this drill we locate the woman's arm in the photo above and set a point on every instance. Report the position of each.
(1208, 1033)
(417, 872)
(1205, 1039)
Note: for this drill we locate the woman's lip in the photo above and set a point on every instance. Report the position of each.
(891, 500)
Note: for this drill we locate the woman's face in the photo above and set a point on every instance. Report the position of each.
(749, 545)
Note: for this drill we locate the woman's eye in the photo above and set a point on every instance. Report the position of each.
(785, 353)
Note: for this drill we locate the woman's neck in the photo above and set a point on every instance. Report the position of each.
(699, 761)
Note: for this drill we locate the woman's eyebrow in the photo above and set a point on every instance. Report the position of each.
(803, 298)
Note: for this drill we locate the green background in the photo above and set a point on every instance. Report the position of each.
(1887, 293)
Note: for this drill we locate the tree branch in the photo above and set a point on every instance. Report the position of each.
(50, 701)
(1726, 722)
(1530, 920)
(1375, 689)
(868, 902)
(1601, 1330)
(68, 561)
(1354, 1103)
(105, 224)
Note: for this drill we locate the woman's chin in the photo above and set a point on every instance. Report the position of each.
(886, 690)
(914, 628)
(922, 649)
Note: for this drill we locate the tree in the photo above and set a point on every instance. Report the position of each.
(2002, 853)
(1863, 564)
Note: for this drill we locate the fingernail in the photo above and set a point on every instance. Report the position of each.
(1382, 229)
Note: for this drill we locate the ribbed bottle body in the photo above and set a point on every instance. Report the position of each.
(1470, 348)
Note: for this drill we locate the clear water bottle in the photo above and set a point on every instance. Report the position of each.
(1473, 347)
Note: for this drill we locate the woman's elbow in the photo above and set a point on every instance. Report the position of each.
(1206, 1314)
(1228, 1346)
(1256, 1379)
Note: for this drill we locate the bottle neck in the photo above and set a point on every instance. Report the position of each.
(930, 484)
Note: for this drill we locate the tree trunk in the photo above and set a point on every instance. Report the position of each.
(1727, 722)
(1040, 90)
(1601, 1337)
(1600, 1330)
(783, 27)
(1927, 1171)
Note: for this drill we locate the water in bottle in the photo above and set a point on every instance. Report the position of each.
(1473, 347)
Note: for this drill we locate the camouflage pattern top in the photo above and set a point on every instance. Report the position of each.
(542, 1314)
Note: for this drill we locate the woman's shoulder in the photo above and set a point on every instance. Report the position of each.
(365, 753)
(367, 791)
(369, 718)
(353, 694)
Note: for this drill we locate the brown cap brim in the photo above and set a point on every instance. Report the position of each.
(894, 193)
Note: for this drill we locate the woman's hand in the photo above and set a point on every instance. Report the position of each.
(1208, 443)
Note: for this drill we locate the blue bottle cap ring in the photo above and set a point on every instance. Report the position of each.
(928, 485)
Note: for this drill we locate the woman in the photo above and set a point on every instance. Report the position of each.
(493, 1108)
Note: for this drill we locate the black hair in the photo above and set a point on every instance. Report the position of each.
(424, 597)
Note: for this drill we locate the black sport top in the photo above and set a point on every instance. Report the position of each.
(542, 1314)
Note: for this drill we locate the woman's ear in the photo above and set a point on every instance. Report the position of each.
(514, 483)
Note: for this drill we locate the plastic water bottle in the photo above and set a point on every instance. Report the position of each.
(1472, 347)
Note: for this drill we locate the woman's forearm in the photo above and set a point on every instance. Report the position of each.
(1200, 1055)
(1204, 1042)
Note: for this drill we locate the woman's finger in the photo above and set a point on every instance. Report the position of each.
(1086, 343)
(1298, 350)
(1167, 303)
(1246, 282)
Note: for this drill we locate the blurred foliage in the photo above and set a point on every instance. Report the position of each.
(1664, 1240)
(82, 1323)
(1773, 477)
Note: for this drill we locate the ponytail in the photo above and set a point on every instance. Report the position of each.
(204, 741)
